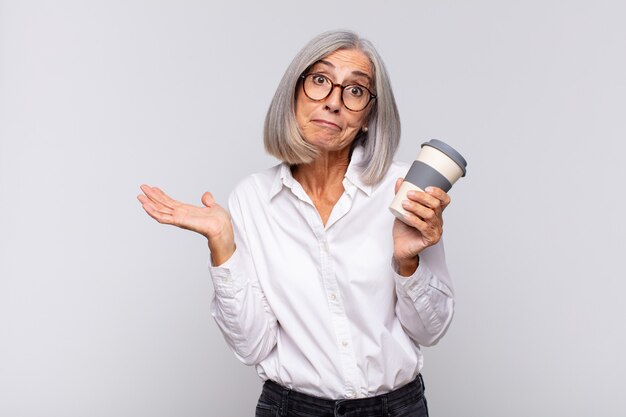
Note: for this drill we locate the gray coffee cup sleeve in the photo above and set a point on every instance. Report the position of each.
(423, 175)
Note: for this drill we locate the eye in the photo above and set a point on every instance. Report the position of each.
(355, 90)
(319, 79)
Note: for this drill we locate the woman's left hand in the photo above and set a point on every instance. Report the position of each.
(426, 225)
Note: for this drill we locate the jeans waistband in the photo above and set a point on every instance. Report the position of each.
(279, 395)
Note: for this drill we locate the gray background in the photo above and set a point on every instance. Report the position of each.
(104, 312)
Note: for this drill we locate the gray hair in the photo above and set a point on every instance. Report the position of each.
(284, 140)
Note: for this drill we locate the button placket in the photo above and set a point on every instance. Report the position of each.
(339, 319)
(341, 326)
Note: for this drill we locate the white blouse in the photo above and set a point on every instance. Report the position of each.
(321, 309)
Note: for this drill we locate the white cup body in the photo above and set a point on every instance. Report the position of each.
(432, 167)
(396, 205)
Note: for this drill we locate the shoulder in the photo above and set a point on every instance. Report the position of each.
(255, 188)
(385, 187)
(396, 170)
(400, 167)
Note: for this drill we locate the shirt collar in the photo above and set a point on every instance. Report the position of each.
(356, 168)
(353, 175)
(283, 178)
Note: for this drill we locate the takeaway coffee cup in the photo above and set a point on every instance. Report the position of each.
(437, 165)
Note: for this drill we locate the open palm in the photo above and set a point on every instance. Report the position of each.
(211, 221)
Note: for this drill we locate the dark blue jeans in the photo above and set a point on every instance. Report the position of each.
(278, 401)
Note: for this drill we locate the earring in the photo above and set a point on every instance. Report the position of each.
(364, 129)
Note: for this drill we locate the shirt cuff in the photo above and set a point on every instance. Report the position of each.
(227, 278)
(413, 286)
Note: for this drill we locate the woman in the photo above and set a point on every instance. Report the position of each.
(316, 283)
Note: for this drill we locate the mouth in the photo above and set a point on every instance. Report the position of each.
(326, 123)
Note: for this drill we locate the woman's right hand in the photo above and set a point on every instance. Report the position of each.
(211, 221)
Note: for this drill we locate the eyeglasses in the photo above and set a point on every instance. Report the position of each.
(354, 97)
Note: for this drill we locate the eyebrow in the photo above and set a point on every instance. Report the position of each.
(357, 72)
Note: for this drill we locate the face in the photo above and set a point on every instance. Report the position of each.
(327, 124)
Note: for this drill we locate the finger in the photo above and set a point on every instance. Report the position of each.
(425, 213)
(413, 220)
(424, 199)
(151, 193)
(429, 233)
(439, 194)
(157, 215)
(143, 199)
(156, 207)
(207, 199)
(399, 182)
(156, 195)
(166, 199)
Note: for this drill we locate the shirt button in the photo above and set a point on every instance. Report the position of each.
(344, 343)
(333, 297)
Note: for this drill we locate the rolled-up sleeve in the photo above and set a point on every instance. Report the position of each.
(238, 304)
(425, 303)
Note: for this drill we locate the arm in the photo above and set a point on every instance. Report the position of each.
(425, 303)
(239, 305)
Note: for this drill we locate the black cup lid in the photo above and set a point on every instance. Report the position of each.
(450, 151)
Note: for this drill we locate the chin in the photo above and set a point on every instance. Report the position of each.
(326, 143)
(331, 148)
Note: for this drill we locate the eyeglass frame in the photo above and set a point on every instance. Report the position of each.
(343, 88)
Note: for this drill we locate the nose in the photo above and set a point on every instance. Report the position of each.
(334, 101)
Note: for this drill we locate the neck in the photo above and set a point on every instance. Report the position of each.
(325, 174)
